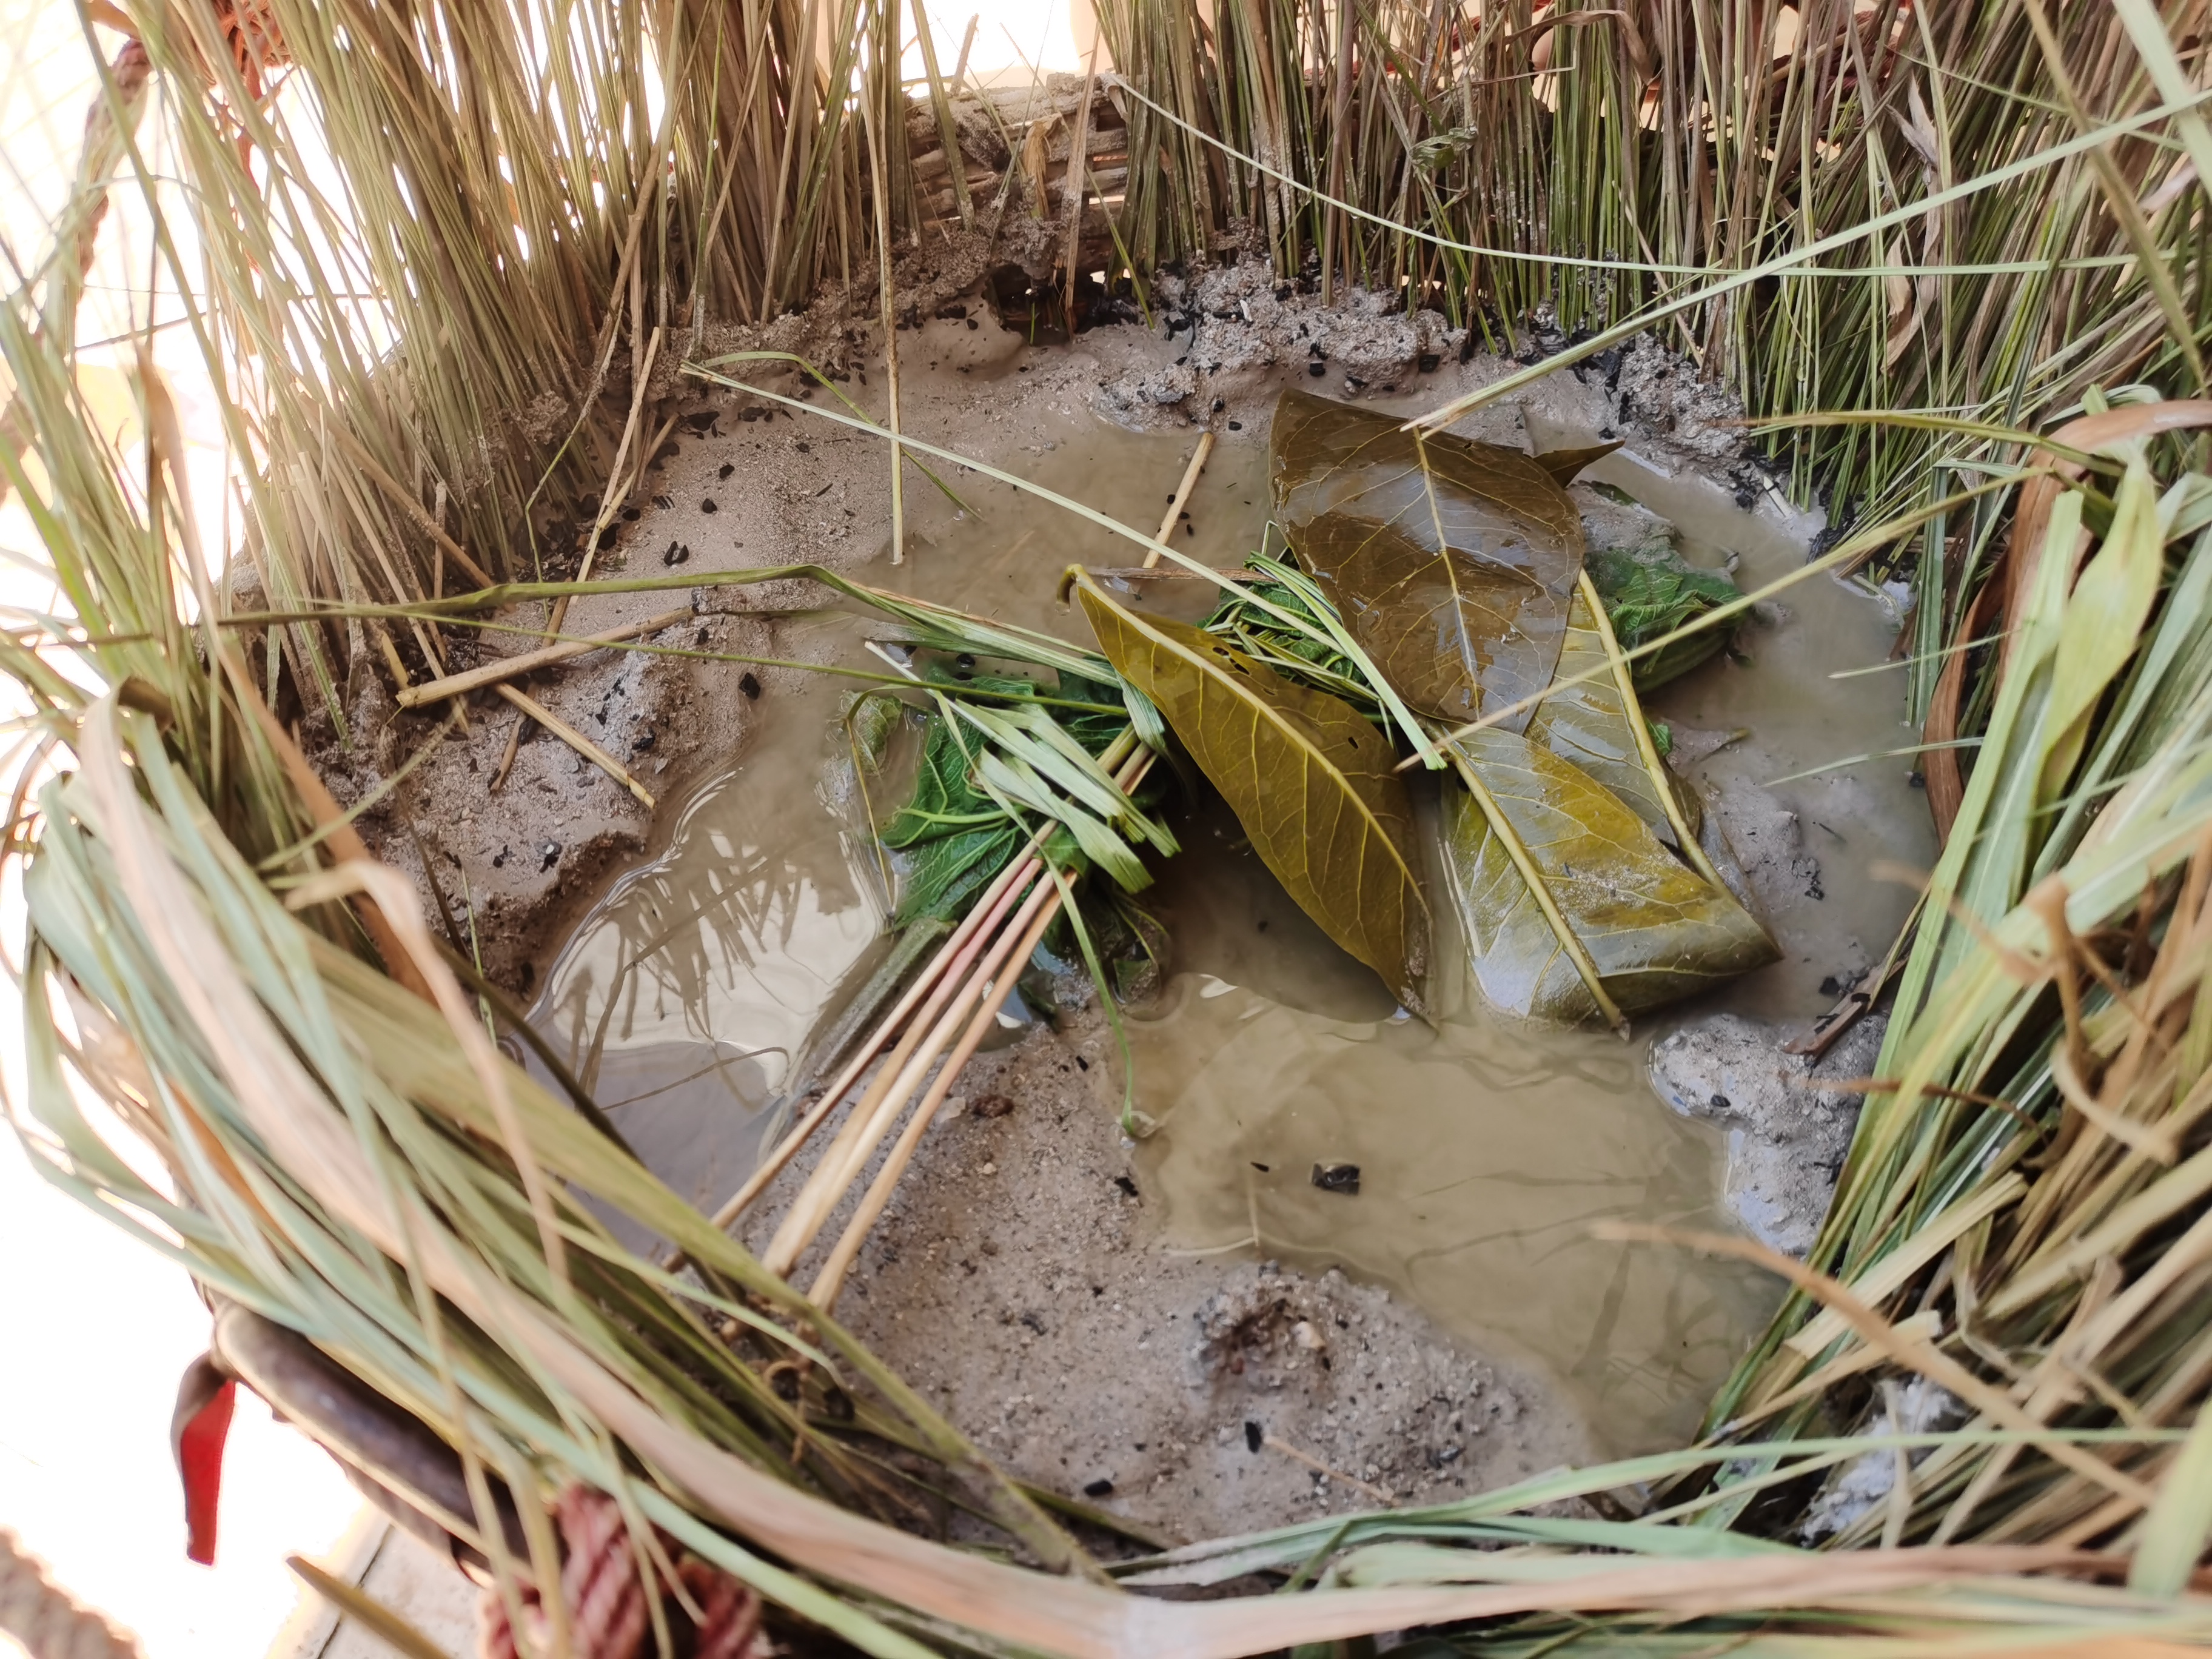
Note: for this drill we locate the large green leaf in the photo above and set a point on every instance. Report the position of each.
(1309, 777)
(1655, 929)
(1453, 561)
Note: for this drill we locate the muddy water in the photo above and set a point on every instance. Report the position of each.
(1486, 1148)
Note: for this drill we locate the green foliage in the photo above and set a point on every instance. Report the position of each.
(1809, 217)
(1284, 620)
(956, 837)
(1652, 590)
(2049, 1022)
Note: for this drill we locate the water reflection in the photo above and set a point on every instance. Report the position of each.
(683, 998)
(1487, 1149)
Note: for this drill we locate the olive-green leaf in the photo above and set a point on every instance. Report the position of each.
(1452, 561)
(1655, 930)
(1585, 723)
(1310, 778)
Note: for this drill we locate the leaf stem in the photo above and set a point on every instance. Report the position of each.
(1509, 838)
(1661, 780)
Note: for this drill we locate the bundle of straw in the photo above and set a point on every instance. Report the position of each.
(337, 1146)
(2028, 1181)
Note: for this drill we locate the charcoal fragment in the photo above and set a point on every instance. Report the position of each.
(1337, 1178)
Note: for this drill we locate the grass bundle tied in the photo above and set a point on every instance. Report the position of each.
(436, 254)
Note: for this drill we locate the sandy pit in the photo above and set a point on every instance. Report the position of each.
(1189, 1329)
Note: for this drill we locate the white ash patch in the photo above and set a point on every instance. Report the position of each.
(1854, 1490)
(1787, 1134)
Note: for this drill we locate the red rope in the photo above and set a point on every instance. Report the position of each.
(605, 1594)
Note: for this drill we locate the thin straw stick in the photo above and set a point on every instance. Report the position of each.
(967, 45)
(831, 1279)
(1073, 188)
(1044, 903)
(931, 972)
(781, 1252)
(617, 489)
(507, 668)
(1177, 502)
(532, 709)
(1015, 876)
(610, 501)
(841, 1165)
(879, 190)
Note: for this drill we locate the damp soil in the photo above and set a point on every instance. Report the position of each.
(1217, 1327)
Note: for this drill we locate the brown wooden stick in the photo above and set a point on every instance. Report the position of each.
(932, 971)
(577, 741)
(831, 1279)
(507, 668)
(820, 1195)
(1182, 493)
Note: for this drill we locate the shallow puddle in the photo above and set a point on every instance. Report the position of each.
(683, 998)
(1485, 1147)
